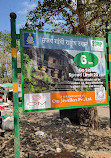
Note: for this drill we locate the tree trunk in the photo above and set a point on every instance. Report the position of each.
(82, 116)
(81, 16)
(87, 116)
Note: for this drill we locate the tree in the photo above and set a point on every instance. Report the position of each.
(5, 57)
(89, 19)
(59, 16)
(5, 42)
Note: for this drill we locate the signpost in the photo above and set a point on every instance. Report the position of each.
(15, 86)
(108, 40)
(62, 71)
(58, 71)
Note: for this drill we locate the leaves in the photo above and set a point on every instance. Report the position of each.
(35, 81)
(5, 41)
(5, 56)
(59, 16)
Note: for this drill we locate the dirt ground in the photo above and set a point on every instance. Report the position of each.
(45, 135)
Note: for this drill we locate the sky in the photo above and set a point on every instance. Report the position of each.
(20, 7)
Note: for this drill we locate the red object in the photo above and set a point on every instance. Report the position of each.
(2, 107)
(0, 97)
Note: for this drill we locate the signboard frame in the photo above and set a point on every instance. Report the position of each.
(68, 35)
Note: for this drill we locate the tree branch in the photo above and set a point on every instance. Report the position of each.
(90, 21)
(93, 19)
(71, 23)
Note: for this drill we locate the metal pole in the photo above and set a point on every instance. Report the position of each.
(15, 86)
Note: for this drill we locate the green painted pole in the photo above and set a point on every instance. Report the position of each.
(15, 86)
(108, 41)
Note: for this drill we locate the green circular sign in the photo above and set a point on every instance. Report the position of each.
(86, 60)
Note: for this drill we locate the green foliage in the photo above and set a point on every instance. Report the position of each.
(3, 70)
(5, 57)
(47, 79)
(90, 18)
(5, 41)
(35, 81)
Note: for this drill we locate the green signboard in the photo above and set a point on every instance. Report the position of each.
(61, 71)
